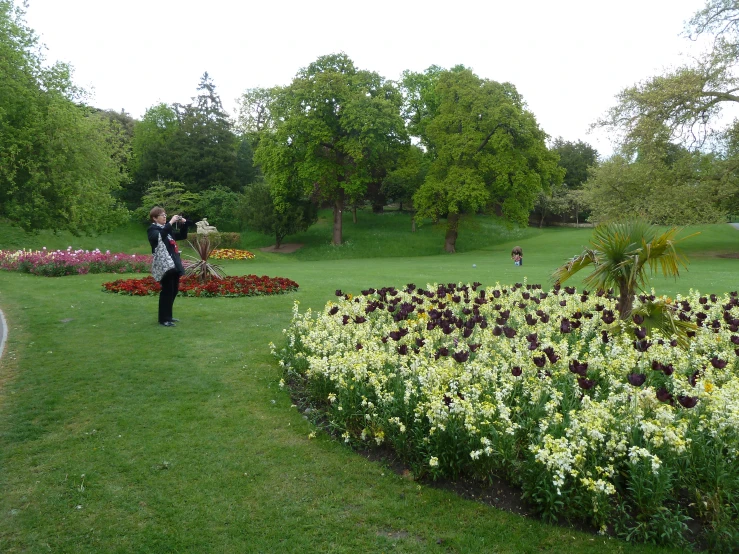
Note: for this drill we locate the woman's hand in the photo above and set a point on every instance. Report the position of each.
(177, 219)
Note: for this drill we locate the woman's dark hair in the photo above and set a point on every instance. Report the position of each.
(155, 212)
(517, 250)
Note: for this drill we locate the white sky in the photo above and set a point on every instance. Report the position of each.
(568, 58)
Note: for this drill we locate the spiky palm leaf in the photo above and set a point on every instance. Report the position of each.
(202, 268)
(662, 315)
(621, 252)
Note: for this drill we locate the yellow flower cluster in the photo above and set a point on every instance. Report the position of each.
(231, 254)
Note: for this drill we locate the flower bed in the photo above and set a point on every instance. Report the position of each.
(246, 285)
(592, 417)
(57, 263)
(231, 254)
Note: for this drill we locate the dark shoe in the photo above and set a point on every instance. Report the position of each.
(174, 319)
(168, 324)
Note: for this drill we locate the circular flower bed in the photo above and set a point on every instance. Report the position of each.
(593, 417)
(231, 254)
(245, 285)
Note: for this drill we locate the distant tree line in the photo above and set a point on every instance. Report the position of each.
(445, 144)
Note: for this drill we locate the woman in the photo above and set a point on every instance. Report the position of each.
(171, 280)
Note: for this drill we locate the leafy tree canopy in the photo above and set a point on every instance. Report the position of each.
(60, 162)
(334, 126)
(487, 150)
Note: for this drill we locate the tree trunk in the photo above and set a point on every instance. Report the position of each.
(413, 225)
(541, 220)
(354, 214)
(450, 240)
(338, 207)
(625, 301)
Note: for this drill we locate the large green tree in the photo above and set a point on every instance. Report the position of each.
(60, 162)
(566, 200)
(487, 152)
(333, 127)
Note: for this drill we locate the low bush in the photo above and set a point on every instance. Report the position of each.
(224, 240)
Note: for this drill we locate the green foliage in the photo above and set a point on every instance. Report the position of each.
(220, 206)
(170, 195)
(680, 188)
(335, 128)
(259, 213)
(60, 162)
(224, 240)
(621, 253)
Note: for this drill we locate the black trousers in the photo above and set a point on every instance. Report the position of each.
(170, 287)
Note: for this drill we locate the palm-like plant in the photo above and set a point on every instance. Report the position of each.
(202, 268)
(621, 253)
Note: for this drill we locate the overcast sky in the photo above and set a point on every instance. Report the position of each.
(568, 58)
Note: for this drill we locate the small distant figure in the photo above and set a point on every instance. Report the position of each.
(517, 255)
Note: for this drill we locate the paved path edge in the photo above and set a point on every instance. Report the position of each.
(3, 333)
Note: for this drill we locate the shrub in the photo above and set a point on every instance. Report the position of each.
(224, 240)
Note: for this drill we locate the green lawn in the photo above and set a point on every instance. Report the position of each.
(118, 435)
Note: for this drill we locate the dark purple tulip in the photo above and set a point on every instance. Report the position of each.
(474, 346)
(687, 401)
(467, 333)
(549, 351)
(638, 319)
(579, 368)
(359, 346)
(570, 290)
(584, 383)
(360, 319)
(456, 299)
(516, 371)
(532, 337)
(599, 307)
(608, 317)
(333, 310)
(447, 330)
(673, 343)
(420, 342)
(642, 345)
(530, 319)
(703, 300)
(345, 319)
(509, 332)
(443, 351)
(640, 333)
(736, 351)
(497, 331)
(663, 395)
(539, 361)
(339, 293)
(565, 326)
(656, 365)
(717, 363)
(637, 379)
(545, 318)
(668, 369)
(461, 356)
(384, 340)
(735, 339)
(496, 293)
(693, 378)
(563, 302)
(403, 349)
(604, 337)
